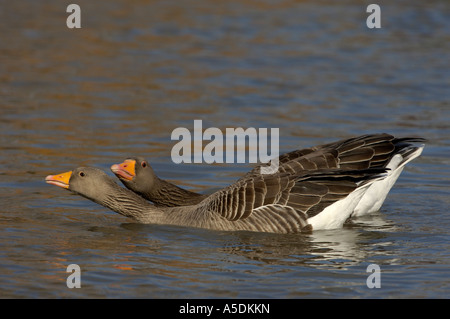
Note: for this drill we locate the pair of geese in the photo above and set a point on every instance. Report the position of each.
(315, 188)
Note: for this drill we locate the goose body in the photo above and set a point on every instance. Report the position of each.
(368, 151)
(313, 189)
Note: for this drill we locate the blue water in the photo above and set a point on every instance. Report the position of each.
(136, 71)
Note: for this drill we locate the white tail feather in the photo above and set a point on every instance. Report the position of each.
(376, 194)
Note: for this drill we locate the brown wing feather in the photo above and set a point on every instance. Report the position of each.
(311, 190)
(308, 180)
(367, 151)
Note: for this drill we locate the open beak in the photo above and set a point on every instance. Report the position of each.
(61, 180)
(125, 170)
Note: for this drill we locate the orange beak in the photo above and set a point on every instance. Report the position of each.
(125, 170)
(61, 180)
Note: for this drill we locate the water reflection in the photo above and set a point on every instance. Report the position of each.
(322, 250)
(333, 249)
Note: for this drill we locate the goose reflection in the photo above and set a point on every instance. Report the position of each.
(359, 240)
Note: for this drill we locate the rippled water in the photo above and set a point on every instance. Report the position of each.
(137, 70)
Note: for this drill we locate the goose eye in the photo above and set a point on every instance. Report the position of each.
(144, 164)
(82, 174)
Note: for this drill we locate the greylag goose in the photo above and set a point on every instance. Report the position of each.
(301, 196)
(368, 151)
(137, 175)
